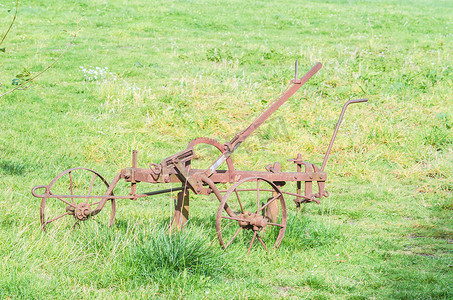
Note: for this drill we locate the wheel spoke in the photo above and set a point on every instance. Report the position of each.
(92, 183)
(261, 241)
(68, 203)
(239, 200)
(56, 218)
(275, 224)
(95, 220)
(251, 243)
(235, 219)
(257, 195)
(234, 236)
(70, 186)
(75, 224)
(269, 202)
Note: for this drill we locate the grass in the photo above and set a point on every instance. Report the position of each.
(177, 70)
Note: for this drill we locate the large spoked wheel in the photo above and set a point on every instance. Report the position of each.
(252, 210)
(76, 195)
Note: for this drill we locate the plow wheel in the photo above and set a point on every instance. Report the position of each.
(252, 211)
(85, 186)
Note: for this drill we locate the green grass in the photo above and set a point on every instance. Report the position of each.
(177, 70)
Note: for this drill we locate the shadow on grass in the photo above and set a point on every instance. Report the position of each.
(304, 231)
(8, 167)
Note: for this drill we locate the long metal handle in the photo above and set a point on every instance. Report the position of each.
(332, 140)
(240, 137)
(297, 84)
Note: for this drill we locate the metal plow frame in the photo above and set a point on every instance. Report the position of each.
(265, 218)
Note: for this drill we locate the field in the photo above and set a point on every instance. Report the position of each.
(152, 76)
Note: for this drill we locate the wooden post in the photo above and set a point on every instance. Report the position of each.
(181, 214)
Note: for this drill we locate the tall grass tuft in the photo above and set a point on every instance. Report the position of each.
(190, 251)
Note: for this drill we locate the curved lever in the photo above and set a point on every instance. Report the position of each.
(336, 129)
(33, 191)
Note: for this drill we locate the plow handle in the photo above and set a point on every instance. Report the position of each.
(332, 140)
(297, 84)
(231, 146)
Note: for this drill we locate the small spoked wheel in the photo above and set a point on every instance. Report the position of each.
(73, 197)
(252, 211)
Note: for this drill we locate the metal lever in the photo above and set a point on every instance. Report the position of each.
(336, 129)
(295, 80)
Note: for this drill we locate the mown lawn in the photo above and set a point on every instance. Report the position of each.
(169, 72)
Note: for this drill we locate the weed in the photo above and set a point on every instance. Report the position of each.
(219, 54)
(438, 137)
(189, 251)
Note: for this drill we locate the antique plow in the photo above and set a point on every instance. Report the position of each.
(252, 209)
